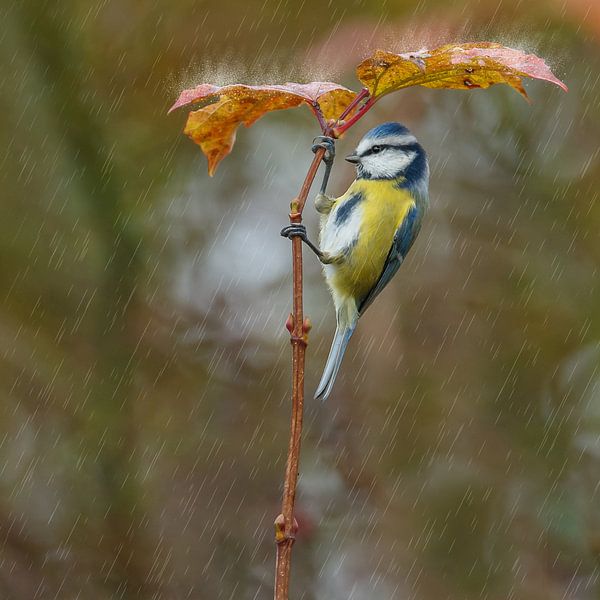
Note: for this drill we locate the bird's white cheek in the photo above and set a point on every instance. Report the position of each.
(387, 165)
(371, 166)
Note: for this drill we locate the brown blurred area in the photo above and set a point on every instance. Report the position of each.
(144, 366)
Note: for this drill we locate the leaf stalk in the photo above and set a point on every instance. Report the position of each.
(359, 114)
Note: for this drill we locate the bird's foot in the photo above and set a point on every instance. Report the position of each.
(298, 230)
(295, 230)
(324, 203)
(324, 141)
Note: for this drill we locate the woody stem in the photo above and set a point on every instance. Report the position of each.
(285, 524)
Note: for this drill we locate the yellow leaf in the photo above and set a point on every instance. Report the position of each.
(213, 126)
(455, 66)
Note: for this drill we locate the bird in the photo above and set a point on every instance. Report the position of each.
(366, 233)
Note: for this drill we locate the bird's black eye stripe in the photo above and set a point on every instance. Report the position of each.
(376, 149)
(379, 147)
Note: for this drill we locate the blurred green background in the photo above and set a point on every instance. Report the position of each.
(145, 370)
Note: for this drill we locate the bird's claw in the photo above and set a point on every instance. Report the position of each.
(298, 230)
(324, 141)
(295, 230)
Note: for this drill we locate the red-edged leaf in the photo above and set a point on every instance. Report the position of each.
(457, 66)
(213, 126)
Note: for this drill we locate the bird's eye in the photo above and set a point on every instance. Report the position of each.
(376, 149)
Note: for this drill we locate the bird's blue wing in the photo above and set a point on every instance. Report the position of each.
(403, 240)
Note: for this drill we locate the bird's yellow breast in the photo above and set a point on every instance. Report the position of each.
(383, 208)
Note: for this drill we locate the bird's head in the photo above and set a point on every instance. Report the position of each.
(390, 151)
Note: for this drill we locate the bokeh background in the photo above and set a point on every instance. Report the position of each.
(144, 366)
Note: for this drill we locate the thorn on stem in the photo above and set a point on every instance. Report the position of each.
(306, 325)
(280, 533)
(280, 529)
(289, 324)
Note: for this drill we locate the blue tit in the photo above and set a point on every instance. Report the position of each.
(367, 232)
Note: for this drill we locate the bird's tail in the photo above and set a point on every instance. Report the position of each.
(346, 322)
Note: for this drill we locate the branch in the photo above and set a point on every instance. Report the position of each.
(286, 526)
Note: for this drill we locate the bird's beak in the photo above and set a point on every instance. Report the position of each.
(353, 158)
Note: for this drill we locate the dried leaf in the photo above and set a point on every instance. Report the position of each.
(463, 66)
(213, 126)
(220, 110)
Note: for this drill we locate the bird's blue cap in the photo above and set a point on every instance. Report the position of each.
(387, 129)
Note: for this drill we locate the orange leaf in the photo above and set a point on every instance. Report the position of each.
(213, 126)
(455, 66)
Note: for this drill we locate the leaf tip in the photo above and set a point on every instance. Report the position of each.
(181, 101)
(552, 78)
(214, 158)
(189, 96)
